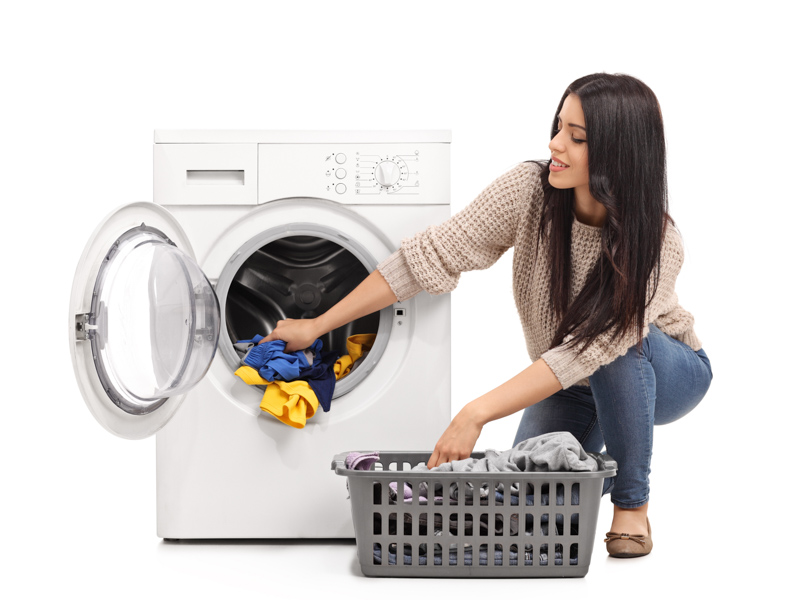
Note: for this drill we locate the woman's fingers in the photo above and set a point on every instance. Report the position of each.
(458, 440)
(278, 333)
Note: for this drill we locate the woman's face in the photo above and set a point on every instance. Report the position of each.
(569, 167)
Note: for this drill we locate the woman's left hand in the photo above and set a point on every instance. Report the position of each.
(458, 440)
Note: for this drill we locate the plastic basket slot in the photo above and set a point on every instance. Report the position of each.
(377, 555)
(513, 524)
(376, 492)
(528, 524)
(423, 524)
(558, 560)
(576, 494)
(483, 551)
(574, 528)
(376, 523)
(499, 494)
(560, 494)
(407, 524)
(545, 524)
(483, 494)
(559, 524)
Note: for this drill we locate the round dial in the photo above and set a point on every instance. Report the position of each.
(387, 173)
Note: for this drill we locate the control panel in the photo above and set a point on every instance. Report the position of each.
(375, 173)
(355, 173)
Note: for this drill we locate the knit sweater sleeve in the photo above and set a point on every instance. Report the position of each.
(474, 238)
(570, 367)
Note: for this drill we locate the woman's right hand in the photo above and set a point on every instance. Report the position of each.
(298, 334)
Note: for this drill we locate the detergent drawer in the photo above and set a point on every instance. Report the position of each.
(223, 174)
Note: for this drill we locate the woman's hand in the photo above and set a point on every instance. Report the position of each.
(458, 439)
(298, 334)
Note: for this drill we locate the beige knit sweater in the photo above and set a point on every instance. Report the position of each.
(505, 214)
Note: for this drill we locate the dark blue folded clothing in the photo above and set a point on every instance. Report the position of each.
(321, 378)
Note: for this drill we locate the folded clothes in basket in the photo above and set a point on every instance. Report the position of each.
(555, 451)
(483, 556)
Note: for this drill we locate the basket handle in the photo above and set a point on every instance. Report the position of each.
(607, 462)
(338, 461)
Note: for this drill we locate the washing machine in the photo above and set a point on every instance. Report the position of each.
(246, 228)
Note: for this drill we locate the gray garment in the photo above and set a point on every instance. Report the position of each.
(555, 451)
(242, 348)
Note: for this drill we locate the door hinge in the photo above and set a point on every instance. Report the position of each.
(83, 329)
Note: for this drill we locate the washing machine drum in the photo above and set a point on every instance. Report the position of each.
(295, 277)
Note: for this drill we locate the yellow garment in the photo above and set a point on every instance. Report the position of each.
(250, 376)
(342, 366)
(294, 402)
(356, 346)
(291, 402)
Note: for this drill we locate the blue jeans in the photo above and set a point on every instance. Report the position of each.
(653, 386)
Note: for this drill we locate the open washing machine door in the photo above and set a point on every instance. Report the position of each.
(144, 320)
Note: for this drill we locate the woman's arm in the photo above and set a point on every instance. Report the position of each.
(371, 295)
(532, 385)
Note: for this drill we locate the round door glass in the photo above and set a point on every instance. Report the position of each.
(154, 322)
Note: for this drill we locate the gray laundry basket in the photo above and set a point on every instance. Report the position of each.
(473, 524)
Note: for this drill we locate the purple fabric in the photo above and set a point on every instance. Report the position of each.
(361, 461)
(406, 490)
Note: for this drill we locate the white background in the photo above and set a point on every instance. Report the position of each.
(84, 86)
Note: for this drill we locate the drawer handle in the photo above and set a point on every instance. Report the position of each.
(215, 177)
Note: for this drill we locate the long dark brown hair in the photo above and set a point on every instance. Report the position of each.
(627, 175)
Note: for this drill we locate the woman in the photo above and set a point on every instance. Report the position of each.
(596, 256)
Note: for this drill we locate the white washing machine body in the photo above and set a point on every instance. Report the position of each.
(244, 205)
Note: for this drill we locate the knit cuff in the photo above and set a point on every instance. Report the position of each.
(565, 366)
(690, 339)
(398, 275)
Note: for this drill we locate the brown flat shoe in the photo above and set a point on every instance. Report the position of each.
(623, 545)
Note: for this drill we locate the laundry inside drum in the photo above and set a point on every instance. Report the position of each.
(296, 277)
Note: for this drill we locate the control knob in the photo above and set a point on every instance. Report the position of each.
(387, 173)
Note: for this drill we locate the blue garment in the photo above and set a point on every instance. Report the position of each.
(656, 385)
(320, 376)
(272, 362)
